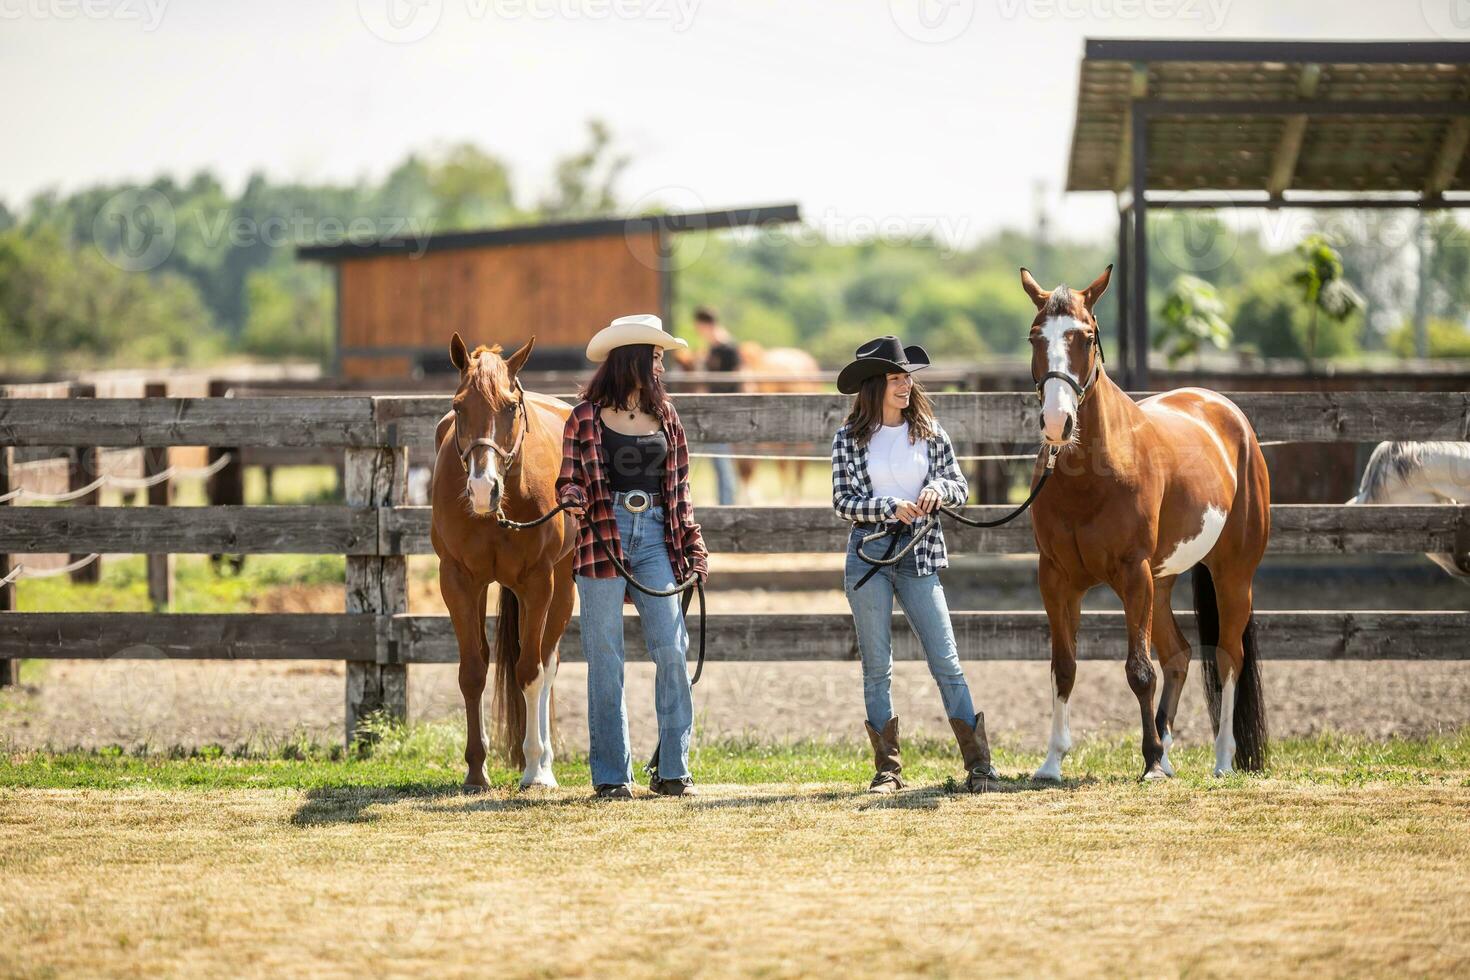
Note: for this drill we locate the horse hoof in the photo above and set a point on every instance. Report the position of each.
(471, 788)
(1155, 775)
(1044, 775)
(1222, 773)
(539, 781)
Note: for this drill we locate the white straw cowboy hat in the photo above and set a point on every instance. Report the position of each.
(640, 328)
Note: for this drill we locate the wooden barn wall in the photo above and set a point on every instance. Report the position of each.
(562, 292)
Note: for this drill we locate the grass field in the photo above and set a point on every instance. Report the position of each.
(1348, 858)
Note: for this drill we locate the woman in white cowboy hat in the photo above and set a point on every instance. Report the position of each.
(625, 473)
(892, 465)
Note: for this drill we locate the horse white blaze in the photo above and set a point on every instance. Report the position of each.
(1225, 738)
(1189, 552)
(484, 474)
(1060, 742)
(1059, 401)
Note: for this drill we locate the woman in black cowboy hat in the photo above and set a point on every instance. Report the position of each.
(893, 465)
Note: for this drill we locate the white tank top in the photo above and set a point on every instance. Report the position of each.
(896, 467)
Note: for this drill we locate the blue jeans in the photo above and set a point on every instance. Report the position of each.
(647, 558)
(724, 474)
(924, 605)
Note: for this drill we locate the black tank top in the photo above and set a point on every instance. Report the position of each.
(635, 462)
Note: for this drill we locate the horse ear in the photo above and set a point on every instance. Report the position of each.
(458, 354)
(516, 361)
(1033, 288)
(1093, 293)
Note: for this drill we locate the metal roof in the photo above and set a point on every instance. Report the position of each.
(561, 231)
(1275, 116)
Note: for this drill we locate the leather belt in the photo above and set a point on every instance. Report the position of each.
(637, 501)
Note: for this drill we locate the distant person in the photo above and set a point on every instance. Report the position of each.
(721, 354)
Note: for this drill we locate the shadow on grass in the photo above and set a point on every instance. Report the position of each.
(349, 804)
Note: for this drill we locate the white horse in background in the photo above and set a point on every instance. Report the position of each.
(1418, 473)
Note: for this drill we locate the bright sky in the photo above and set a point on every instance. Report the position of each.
(938, 113)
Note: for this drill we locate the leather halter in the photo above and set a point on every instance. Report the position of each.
(1080, 389)
(506, 456)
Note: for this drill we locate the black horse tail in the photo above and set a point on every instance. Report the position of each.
(509, 705)
(1249, 719)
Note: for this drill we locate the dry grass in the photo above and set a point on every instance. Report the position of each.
(1323, 867)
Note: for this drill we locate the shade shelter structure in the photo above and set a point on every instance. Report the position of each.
(1263, 124)
(399, 299)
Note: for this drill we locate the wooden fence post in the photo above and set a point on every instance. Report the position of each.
(9, 669)
(155, 461)
(227, 486)
(85, 467)
(377, 477)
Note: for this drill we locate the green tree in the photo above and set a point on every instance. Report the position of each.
(1192, 315)
(1322, 286)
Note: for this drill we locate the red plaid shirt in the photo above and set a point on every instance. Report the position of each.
(583, 482)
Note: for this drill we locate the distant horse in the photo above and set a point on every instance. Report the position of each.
(499, 452)
(1418, 473)
(1141, 493)
(802, 368)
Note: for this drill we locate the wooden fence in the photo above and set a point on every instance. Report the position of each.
(376, 532)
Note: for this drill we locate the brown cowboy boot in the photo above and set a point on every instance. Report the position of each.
(980, 775)
(885, 757)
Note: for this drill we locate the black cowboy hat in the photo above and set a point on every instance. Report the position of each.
(882, 355)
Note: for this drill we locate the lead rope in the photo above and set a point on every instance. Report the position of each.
(930, 522)
(688, 587)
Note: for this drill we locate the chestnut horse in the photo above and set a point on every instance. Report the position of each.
(499, 452)
(1142, 492)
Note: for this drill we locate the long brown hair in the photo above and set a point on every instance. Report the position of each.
(866, 414)
(628, 369)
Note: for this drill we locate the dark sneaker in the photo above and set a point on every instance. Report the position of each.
(673, 787)
(614, 791)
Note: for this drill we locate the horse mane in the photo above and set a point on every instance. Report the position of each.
(1060, 303)
(1402, 461)
(488, 376)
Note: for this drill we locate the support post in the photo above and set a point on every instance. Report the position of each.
(1138, 328)
(155, 461)
(9, 669)
(83, 469)
(1119, 339)
(377, 476)
(226, 487)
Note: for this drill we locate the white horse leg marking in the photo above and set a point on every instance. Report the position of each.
(545, 718)
(1164, 762)
(1061, 737)
(531, 744)
(1225, 739)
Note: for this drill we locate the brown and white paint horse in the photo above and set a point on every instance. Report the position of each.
(1141, 493)
(499, 452)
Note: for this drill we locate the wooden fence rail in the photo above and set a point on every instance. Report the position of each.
(376, 532)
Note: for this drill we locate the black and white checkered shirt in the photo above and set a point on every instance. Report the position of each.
(852, 491)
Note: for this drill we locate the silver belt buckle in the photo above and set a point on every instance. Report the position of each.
(637, 501)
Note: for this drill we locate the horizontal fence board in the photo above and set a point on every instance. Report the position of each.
(187, 636)
(763, 637)
(757, 637)
(334, 421)
(1008, 417)
(1296, 529)
(325, 530)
